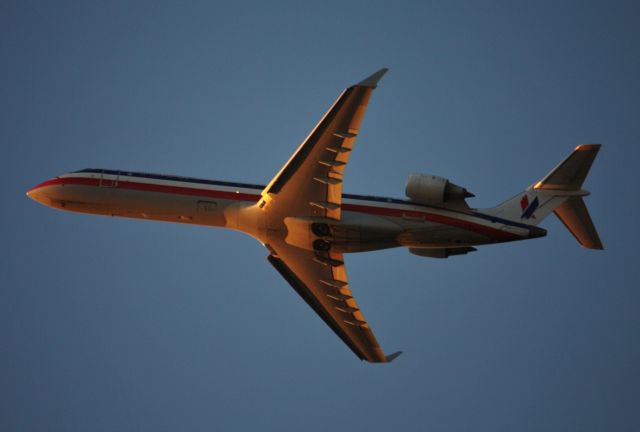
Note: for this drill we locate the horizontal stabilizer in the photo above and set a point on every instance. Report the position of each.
(574, 215)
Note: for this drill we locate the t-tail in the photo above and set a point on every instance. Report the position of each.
(559, 192)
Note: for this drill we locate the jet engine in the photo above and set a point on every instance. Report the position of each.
(434, 190)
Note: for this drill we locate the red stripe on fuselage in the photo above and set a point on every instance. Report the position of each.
(492, 233)
(148, 187)
(61, 181)
(210, 193)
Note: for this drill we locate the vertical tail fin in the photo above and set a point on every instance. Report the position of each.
(559, 192)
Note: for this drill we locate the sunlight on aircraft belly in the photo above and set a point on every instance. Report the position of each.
(355, 232)
(361, 229)
(364, 226)
(438, 235)
(114, 201)
(434, 234)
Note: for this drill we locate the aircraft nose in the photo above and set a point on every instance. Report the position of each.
(38, 193)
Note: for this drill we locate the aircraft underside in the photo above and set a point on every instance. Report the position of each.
(307, 224)
(362, 229)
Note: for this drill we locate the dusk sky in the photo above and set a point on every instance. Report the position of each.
(110, 324)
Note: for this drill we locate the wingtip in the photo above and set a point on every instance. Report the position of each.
(392, 357)
(585, 147)
(372, 80)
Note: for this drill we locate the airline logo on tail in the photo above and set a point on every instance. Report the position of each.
(528, 208)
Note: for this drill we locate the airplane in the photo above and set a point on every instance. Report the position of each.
(307, 224)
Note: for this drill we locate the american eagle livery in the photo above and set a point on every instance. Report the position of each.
(307, 224)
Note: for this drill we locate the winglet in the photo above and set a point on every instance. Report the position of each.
(372, 81)
(393, 356)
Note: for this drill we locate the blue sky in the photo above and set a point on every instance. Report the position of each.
(114, 324)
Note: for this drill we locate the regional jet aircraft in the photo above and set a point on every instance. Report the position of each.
(307, 224)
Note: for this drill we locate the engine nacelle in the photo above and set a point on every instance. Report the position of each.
(430, 189)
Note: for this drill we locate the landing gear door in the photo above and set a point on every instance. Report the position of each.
(109, 179)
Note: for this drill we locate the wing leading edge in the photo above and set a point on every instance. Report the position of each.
(310, 185)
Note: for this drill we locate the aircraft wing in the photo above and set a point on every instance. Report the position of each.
(321, 281)
(309, 186)
(310, 183)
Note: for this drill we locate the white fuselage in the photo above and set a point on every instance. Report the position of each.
(367, 222)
